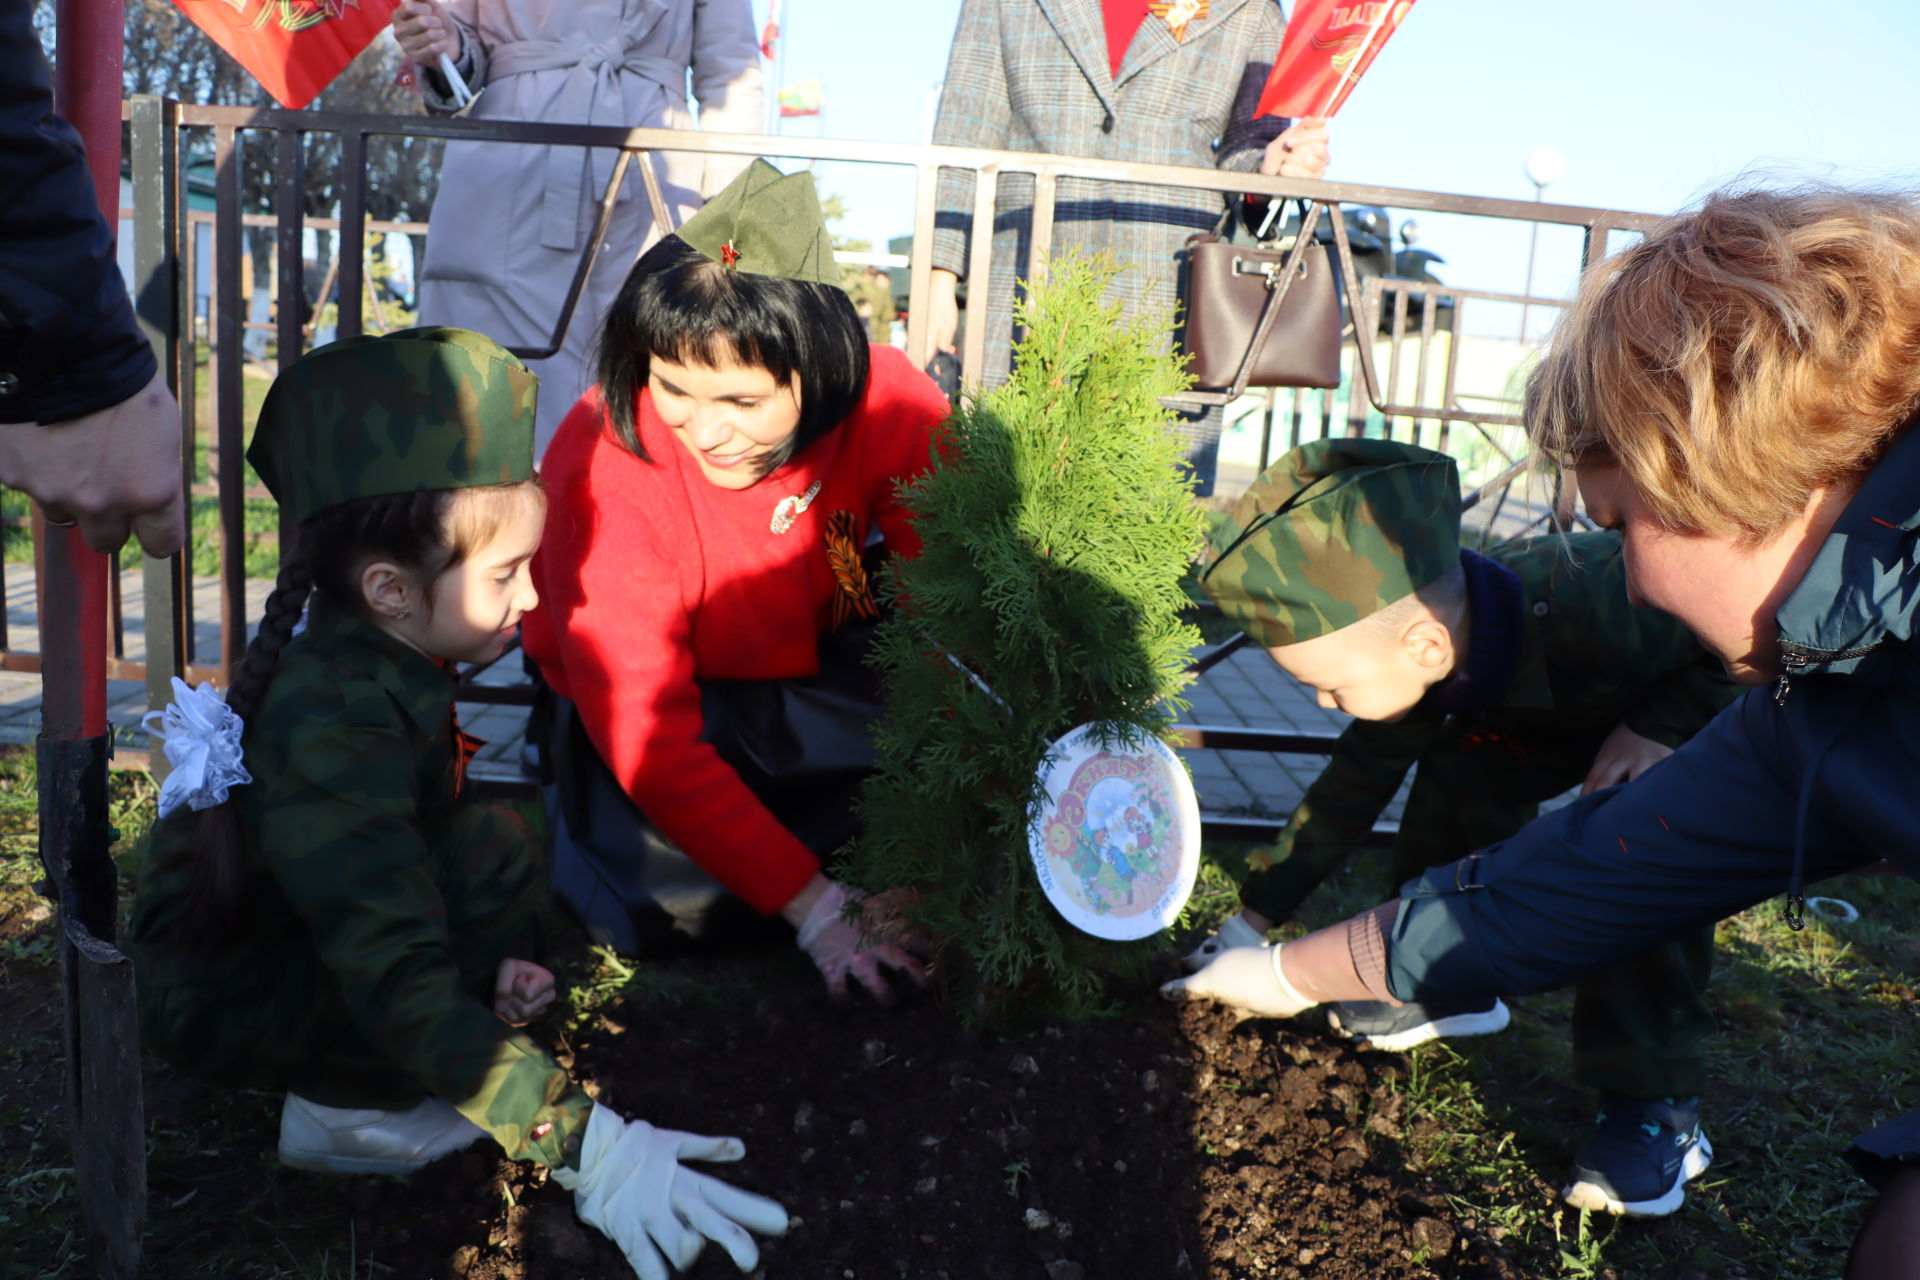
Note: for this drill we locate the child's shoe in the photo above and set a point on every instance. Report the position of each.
(1380, 1025)
(1233, 932)
(1639, 1157)
(363, 1140)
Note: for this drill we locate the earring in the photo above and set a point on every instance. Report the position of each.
(401, 615)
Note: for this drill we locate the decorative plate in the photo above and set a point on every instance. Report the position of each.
(1116, 840)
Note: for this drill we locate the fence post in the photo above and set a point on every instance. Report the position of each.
(290, 289)
(156, 267)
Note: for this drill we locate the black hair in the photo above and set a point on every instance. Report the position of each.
(423, 533)
(682, 306)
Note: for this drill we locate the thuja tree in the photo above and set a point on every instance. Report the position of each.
(1057, 521)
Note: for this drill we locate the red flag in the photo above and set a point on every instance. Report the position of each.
(1328, 46)
(770, 32)
(292, 47)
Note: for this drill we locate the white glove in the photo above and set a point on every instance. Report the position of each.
(842, 949)
(1248, 978)
(631, 1186)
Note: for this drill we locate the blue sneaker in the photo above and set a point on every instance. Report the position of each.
(1640, 1156)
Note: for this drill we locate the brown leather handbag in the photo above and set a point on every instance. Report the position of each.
(1260, 317)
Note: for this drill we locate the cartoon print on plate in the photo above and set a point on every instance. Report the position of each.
(1117, 840)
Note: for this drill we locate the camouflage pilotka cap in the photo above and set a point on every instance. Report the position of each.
(768, 223)
(1335, 531)
(429, 408)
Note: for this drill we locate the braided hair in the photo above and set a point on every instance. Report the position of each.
(425, 533)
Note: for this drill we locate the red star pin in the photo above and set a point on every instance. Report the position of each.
(728, 254)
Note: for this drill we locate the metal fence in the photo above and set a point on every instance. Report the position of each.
(1382, 393)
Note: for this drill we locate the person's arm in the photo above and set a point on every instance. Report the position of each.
(611, 572)
(908, 407)
(338, 833)
(973, 112)
(68, 342)
(726, 81)
(1247, 135)
(1269, 144)
(88, 426)
(1337, 813)
(1709, 833)
(426, 29)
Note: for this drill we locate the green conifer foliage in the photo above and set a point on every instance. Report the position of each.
(1057, 522)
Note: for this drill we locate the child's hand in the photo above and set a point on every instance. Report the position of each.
(1624, 756)
(522, 990)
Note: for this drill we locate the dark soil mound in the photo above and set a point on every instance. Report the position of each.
(1165, 1143)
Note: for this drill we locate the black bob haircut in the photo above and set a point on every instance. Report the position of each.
(682, 306)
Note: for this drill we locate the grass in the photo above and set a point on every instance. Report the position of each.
(1813, 1045)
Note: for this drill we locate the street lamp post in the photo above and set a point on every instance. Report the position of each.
(1544, 166)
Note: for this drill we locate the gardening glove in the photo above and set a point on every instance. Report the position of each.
(1248, 978)
(843, 948)
(632, 1187)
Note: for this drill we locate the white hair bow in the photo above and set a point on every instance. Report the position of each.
(202, 736)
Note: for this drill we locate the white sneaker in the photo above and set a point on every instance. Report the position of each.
(1234, 931)
(363, 1140)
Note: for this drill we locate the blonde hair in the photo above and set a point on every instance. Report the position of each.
(1742, 356)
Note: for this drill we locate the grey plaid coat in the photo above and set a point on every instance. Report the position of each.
(1033, 75)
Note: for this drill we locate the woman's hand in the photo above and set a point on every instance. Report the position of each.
(1624, 756)
(862, 948)
(1299, 152)
(943, 310)
(425, 32)
(522, 990)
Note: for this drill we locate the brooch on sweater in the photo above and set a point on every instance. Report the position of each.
(788, 509)
(1178, 14)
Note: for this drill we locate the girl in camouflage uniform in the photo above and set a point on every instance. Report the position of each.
(344, 927)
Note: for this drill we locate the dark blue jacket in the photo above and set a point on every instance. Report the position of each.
(1814, 776)
(68, 342)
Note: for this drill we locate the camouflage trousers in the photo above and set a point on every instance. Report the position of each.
(275, 1020)
(1638, 1027)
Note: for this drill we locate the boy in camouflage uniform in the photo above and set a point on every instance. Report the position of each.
(362, 947)
(1503, 680)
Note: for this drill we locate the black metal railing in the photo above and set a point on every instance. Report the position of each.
(1375, 397)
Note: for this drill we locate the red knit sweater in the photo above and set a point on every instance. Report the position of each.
(651, 577)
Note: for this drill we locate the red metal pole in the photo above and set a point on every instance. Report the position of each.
(104, 1105)
(73, 624)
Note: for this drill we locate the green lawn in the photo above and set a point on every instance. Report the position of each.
(1815, 1045)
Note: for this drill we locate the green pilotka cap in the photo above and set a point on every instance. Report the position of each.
(428, 408)
(768, 223)
(1333, 532)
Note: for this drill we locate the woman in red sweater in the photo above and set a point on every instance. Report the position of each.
(685, 576)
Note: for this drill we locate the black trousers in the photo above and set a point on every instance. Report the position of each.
(803, 746)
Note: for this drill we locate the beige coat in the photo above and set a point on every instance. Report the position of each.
(510, 222)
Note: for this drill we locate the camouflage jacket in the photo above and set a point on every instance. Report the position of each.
(1586, 656)
(351, 752)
